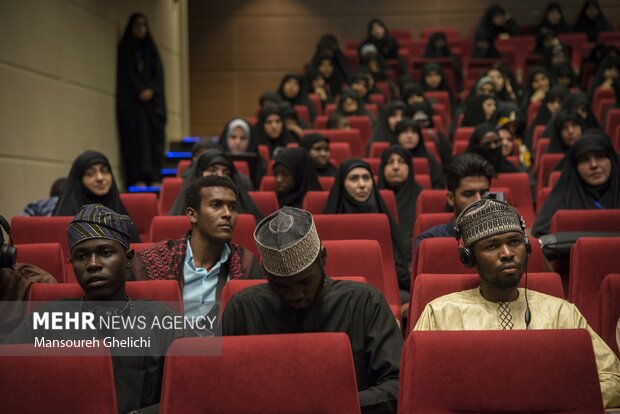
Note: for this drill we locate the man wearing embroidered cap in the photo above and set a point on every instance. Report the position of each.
(299, 297)
(100, 254)
(492, 238)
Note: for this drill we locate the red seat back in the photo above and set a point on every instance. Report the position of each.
(519, 184)
(142, 207)
(352, 136)
(610, 310)
(463, 134)
(47, 256)
(339, 151)
(591, 260)
(266, 201)
(546, 165)
(182, 166)
(425, 221)
(314, 201)
(195, 379)
(170, 189)
(585, 220)
(457, 371)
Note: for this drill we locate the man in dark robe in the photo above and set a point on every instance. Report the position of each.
(300, 297)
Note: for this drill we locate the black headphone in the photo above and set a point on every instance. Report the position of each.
(465, 253)
(8, 253)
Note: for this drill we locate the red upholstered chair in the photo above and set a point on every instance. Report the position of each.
(363, 227)
(182, 166)
(377, 148)
(138, 247)
(532, 110)
(591, 259)
(194, 380)
(546, 166)
(327, 182)
(429, 286)
(170, 189)
(610, 309)
(362, 123)
(440, 97)
(612, 121)
(234, 286)
(585, 220)
(339, 151)
(553, 178)
(515, 371)
(157, 290)
(41, 380)
(316, 102)
(142, 207)
(427, 220)
(266, 201)
(26, 230)
(352, 136)
(173, 227)
(459, 147)
(440, 255)
(519, 184)
(314, 201)
(541, 197)
(463, 134)
(539, 151)
(431, 201)
(47, 256)
(538, 130)
(303, 114)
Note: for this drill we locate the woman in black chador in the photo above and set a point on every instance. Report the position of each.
(140, 104)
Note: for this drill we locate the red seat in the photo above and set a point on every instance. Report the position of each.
(377, 99)
(541, 197)
(553, 178)
(142, 207)
(612, 121)
(138, 247)
(38, 229)
(610, 309)
(440, 255)
(314, 201)
(377, 148)
(460, 371)
(538, 130)
(170, 189)
(198, 374)
(463, 134)
(519, 184)
(182, 166)
(263, 151)
(339, 151)
(47, 256)
(41, 380)
(602, 107)
(546, 166)
(352, 136)
(156, 290)
(362, 123)
(316, 102)
(591, 260)
(268, 183)
(441, 97)
(539, 150)
(266, 201)
(363, 227)
(585, 220)
(602, 93)
(434, 201)
(425, 221)
(429, 286)
(459, 147)
(173, 227)
(532, 111)
(303, 114)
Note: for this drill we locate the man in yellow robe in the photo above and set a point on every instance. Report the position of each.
(492, 237)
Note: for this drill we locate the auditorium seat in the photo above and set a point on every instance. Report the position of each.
(138, 247)
(553, 178)
(538, 130)
(38, 380)
(363, 227)
(429, 286)
(545, 168)
(459, 147)
(425, 221)
(434, 201)
(585, 220)
(610, 309)
(599, 94)
(303, 114)
(532, 111)
(352, 136)
(440, 255)
(234, 286)
(363, 124)
(47, 256)
(314, 201)
(316, 102)
(514, 371)
(170, 189)
(156, 290)
(541, 197)
(591, 259)
(463, 134)
(273, 377)
(182, 166)
(440, 97)
(612, 120)
(38, 229)
(539, 151)
(266, 201)
(519, 184)
(173, 227)
(142, 207)
(339, 151)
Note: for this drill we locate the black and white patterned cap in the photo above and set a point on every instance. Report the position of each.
(287, 241)
(486, 218)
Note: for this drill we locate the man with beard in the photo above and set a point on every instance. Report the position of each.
(491, 237)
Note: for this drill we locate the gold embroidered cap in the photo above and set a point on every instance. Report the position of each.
(486, 218)
(287, 241)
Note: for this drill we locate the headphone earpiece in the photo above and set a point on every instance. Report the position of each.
(466, 256)
(8, 253)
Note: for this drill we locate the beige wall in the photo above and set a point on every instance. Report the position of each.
(241, 48)
(58, 81)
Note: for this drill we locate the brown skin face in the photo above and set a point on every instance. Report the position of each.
(490, 141)
(139, 29)
(320, 154)
(301, 290)
(470, 189)
(99, 266)
(217, 216)
(284, 178)
(500, 261)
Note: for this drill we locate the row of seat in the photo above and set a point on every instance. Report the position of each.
(435, 375)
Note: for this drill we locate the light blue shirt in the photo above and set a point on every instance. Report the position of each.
(200, 285)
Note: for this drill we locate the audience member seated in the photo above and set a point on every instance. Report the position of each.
(498, 23)
(240, 138)
(386, 127)
(590, 179)
(486, 142)
(317, 146)
(535, 87)
(592, 21)
(329, 60)
(46, 206)
(300, 297)
(291, 91)
(410, 137)
(492, 237)
(294, 175)
(271, 130)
